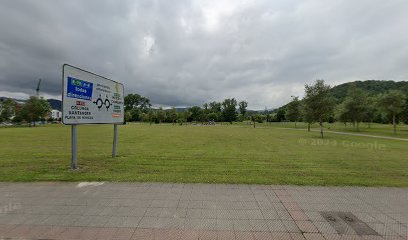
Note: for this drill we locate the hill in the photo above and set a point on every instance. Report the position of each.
(54, 103)
(372, 87)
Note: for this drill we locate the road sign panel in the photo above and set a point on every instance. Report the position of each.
(89, 98)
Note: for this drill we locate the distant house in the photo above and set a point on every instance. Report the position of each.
(55, 114)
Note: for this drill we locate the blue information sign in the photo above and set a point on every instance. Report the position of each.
(77, 88)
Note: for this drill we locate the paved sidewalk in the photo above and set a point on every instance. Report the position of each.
(200, 211)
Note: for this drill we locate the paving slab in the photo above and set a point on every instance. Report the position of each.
(105, 210)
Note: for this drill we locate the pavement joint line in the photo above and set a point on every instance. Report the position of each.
(285, 193)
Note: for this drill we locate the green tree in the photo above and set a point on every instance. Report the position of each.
(371, 110)
(7, 109)
(243, 108)
(196, 113)
(35, 109)
(257, 118)
(355, 107)
(215, 107)
(128, 116)
(183, 117)
(212, 116)
(318, 103)
(136, 104)
(151, 115)
(241, 118)
(405, 112)
(280, 115)
(134, 114)
(307, 116)
(161, 115)
(145, 117)
(293, 110)
(205, 107)
(393, 103)
(229, 113)
(341, 114)
(172, 115)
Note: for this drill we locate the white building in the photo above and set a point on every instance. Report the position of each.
(55, 114)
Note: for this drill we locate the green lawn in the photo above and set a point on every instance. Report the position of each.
(365, 128)
(211, 154)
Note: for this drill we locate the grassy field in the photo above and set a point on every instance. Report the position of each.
(365, 128)
(209, 154)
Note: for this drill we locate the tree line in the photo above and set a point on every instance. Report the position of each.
(319, 106)
(33, 110)
(139, 108)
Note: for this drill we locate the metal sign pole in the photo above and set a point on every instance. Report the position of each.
(115, 139)
(74, 147)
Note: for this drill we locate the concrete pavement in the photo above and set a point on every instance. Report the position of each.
(200, 211)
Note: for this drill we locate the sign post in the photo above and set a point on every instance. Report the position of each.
(74, 146)
(88, 98)
(115, 139)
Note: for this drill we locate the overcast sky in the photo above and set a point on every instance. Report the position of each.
(184, 53)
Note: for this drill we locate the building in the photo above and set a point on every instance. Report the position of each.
(55, 114)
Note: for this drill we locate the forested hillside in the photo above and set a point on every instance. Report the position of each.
(371, 87)
(369, 91)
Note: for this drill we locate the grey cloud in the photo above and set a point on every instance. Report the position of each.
(183, 53)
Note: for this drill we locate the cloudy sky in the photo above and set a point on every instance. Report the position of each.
(183, 53)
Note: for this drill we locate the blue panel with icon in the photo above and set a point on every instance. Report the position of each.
(77, 88)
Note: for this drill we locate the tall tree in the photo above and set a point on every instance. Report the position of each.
(341, 114)
(145, 117)
(308, 116)
(172, 115)
(205, 107)
(293, 110)
(280, 115)
(136, 104)
(128, 116)
(151, 116)
(136, 101)
(7, 109)
(371, 110)
(405, 112)
(229, 106)
(35, 109)
(212, 116)
(215, 107)
(393, 102)
(257, 118)
(355, 106)
(196, 113)
(243, 108)
(185, 116)
(160, 115)
(318, 103)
